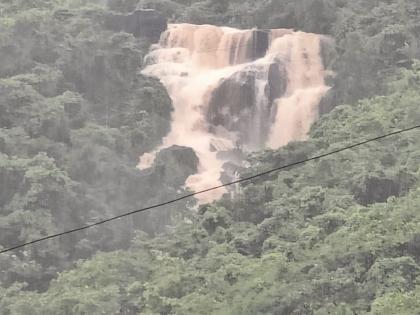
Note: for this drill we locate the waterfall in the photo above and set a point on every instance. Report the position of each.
(231, 88)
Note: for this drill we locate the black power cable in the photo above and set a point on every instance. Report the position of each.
(210, 189)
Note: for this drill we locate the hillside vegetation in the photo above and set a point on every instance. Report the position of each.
(338, 236)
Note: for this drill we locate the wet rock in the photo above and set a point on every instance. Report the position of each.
(328, 102)
(140, 23)
(246, 99)
(259, 45)
(328, 55)
(231, 104)
(175, 164)
(277, 81)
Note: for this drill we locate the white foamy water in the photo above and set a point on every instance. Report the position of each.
(192, 61)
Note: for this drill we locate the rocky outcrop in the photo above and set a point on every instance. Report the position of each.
(175, 164)
(328, 55)
(277, 81)
(141, 23)
(246, 99)
(328, 102)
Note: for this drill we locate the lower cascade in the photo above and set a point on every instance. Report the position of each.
(235, 89)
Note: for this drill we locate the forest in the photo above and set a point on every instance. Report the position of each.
(339, 235)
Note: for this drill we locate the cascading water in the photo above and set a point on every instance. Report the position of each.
(297, 109)
(235, 88)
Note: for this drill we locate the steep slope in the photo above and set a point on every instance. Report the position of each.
(339, 236)
(329, 237)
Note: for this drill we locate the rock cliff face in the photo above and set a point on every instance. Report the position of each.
(328, 55)
(172, 165)
(140, 23)
(176, 164)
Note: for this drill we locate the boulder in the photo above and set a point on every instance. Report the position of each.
(175, 164)
(328, 102)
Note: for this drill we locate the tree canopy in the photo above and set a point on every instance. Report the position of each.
(336, 236)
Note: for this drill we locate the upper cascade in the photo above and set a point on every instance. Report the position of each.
(235, 90)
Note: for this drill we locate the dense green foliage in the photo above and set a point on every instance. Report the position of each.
(337, 236)
(75, 114)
